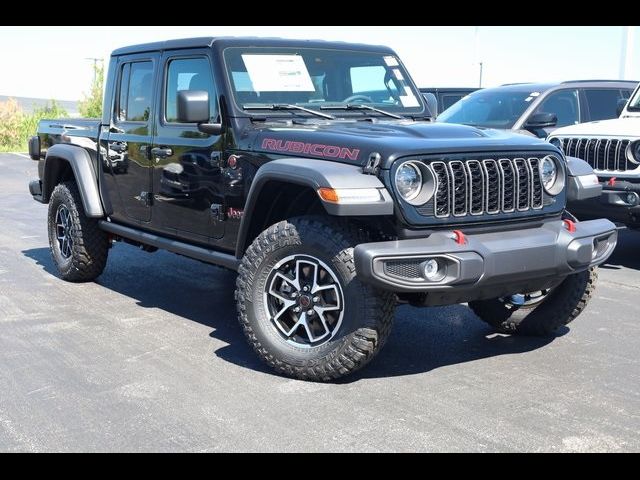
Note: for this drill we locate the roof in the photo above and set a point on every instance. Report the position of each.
(207, 42)
(543, 87)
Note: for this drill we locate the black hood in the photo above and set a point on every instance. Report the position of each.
(354, 141)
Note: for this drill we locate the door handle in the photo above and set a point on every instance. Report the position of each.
(161, 152)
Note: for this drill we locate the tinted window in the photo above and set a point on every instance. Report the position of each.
(602, 103)
(450, 99)
(188, 74)
(136, 84)
(564, 103)
(488, 108)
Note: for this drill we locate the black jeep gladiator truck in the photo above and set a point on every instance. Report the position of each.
(312, 169)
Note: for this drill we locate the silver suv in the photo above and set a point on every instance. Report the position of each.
(539, 108)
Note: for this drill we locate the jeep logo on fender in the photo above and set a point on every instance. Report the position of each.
(328, 151)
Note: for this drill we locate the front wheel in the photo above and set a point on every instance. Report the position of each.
(539, 313)
(302, 307)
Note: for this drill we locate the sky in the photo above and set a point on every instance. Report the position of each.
(52, 62)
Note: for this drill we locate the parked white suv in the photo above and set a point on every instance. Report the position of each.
(612, 148)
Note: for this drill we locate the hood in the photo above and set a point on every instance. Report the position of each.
(616, 127)
(354, 141)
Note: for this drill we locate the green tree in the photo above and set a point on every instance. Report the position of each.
(91, 105)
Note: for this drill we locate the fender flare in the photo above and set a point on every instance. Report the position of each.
(315, 174)
(578, 189)
(83, 171)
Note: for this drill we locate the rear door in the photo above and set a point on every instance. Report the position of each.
(187, 175)
(129, 139)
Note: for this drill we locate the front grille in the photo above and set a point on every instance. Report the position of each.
(487, 186)
(604, 154)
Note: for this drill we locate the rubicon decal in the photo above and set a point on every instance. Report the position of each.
(318, 149)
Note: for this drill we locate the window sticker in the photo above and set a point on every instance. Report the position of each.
(391, 61)
(409, 100)
(278, 73)
(534, 94)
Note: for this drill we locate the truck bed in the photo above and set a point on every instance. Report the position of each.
(79, 131)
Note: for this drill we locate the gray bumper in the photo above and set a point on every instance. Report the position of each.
(486, 259)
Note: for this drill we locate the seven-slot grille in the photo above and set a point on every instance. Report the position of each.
(606, 154)
(488, 186)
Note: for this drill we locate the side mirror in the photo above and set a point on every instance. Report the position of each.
(432, 104)
(620, 106)
(541, 120)
(193, 107)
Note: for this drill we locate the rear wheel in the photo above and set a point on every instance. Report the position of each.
(78, 247)
(302, 307)
(539, 313)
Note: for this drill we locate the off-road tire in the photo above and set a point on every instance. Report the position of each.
(560, 307)
(368, 313)
(90, 244)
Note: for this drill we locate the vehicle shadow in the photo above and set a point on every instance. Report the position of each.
(422, 339)
(626, 252)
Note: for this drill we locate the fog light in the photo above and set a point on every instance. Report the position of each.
(433, 271)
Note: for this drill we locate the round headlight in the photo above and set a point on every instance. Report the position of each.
(548, 173)
(408, 181)
(633, 152)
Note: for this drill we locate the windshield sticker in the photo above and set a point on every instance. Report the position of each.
(318, 149)
(409, 100)
(528, 99)
(534, 94)
(398, 74)
(391, 61)
(278, 73)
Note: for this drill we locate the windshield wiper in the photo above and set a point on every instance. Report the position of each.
(287, 106)
(360, 106)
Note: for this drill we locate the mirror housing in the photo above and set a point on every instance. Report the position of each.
(620, 106)
(432, 104)
(193, 107)
(541, 120)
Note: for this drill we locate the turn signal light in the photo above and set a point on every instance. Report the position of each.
(328, 195)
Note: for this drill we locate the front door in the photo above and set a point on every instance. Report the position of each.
(187, 176)
(127, 157)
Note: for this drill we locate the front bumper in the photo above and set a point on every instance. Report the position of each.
(486, 264)
(619, 202)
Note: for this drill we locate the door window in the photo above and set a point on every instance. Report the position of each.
(134, 99)
(564, 104)
(188, 74)
(602, 103)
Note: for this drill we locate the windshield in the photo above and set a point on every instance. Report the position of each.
(634, 103)
(489, 108)
(317, 78)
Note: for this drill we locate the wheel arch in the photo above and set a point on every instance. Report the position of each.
(69, 162)
(288, 187)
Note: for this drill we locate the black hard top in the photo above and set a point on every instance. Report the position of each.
(200, 42)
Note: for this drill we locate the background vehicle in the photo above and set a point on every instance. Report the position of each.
(307, 167)
(538, 109)
(612, 148)
(447, 96)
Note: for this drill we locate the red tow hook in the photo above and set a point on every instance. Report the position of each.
(612, 182)
(570, 225)
(460, 237)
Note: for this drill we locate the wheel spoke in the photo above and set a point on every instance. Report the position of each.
(291, 303)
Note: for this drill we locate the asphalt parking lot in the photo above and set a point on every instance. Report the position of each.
(150, 357)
